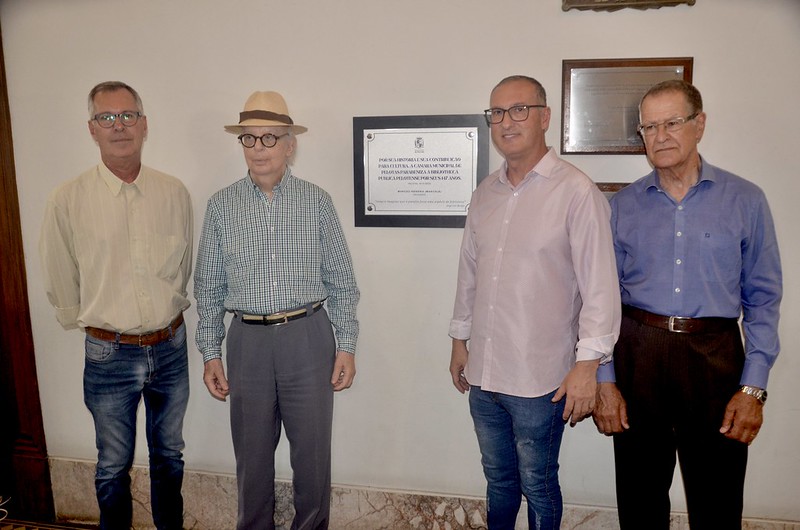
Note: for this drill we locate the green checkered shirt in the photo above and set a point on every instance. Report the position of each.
(262, 256)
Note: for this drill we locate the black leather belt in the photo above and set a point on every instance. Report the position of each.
(678, 324)
(282, 317)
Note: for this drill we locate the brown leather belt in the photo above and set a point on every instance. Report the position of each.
(678, 324)
(148, 339)
(282, 317)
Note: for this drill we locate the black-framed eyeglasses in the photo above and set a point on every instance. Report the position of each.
(128, 118)
(670, 125)
(516, 113)
(267, 140)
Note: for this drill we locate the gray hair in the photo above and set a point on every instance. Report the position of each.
(536, 84)
(677, 85)
(113, 86)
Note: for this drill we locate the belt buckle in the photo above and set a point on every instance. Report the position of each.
(283, 318)
(672, 320)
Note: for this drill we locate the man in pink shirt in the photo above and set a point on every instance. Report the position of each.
(537, 307)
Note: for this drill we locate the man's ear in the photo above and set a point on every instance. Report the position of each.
(545, 118)
(701, 125)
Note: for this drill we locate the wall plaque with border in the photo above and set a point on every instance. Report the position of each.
(600, 106)
(417, 171)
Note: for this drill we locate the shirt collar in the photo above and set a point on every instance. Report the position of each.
(544, 168)
(114, 183)
(706, 173)
(287, 174)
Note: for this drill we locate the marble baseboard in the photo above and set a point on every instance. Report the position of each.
(210, 504)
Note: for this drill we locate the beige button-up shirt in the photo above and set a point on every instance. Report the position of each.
(117, 256)
(537, 280)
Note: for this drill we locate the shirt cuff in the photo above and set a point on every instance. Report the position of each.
(68, 316)
(212, 354)
(346, 346)
(756, 375)
(593, 348)
(605, 373)
(460, 330)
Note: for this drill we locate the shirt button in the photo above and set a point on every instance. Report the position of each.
(679, 234)
(677, 289)
(678, 261)
(680, 207)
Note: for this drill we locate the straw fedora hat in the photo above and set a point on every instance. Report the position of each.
(265, 109)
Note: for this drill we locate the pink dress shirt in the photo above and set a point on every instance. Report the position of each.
(537, 279)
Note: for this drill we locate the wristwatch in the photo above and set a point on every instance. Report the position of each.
(759, 393)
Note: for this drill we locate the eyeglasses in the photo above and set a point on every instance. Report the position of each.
(670, 125)
(516, 113)
(106, 120)
(267, 140)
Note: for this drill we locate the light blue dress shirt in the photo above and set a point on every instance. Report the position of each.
(714, 254)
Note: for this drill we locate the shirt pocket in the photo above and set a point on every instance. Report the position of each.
(720, 255)
(166, 255)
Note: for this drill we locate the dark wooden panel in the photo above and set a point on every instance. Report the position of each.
(22, 430)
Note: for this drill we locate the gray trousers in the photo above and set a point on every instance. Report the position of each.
(281, 374)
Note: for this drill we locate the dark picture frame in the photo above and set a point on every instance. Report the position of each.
(417, 171)
(600, 99)
(615, 5)
(610, 188)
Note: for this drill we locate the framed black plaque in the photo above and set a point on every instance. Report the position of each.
(417, 171)
(600, 106)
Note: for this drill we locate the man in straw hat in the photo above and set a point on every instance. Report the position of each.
(271, 252)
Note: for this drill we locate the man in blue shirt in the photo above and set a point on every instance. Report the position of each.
(696, 249)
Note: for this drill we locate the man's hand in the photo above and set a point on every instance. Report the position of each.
(214, 378)
(580, 387)
(458, 361)
(610, 414)
(344, 371)
(743, 418)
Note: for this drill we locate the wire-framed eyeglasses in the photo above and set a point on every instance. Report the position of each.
(267, 140)
(516, 113)
(670, 125)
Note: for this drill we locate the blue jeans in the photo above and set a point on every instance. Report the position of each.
(519, 439)
(115, 378)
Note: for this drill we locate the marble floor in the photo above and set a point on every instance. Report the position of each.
(210, 504)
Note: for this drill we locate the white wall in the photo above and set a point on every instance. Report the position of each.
(402, 426)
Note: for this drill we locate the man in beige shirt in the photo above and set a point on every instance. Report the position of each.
(116, 249)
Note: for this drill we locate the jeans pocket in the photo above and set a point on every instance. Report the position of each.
(179, 337)
(97, 350)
